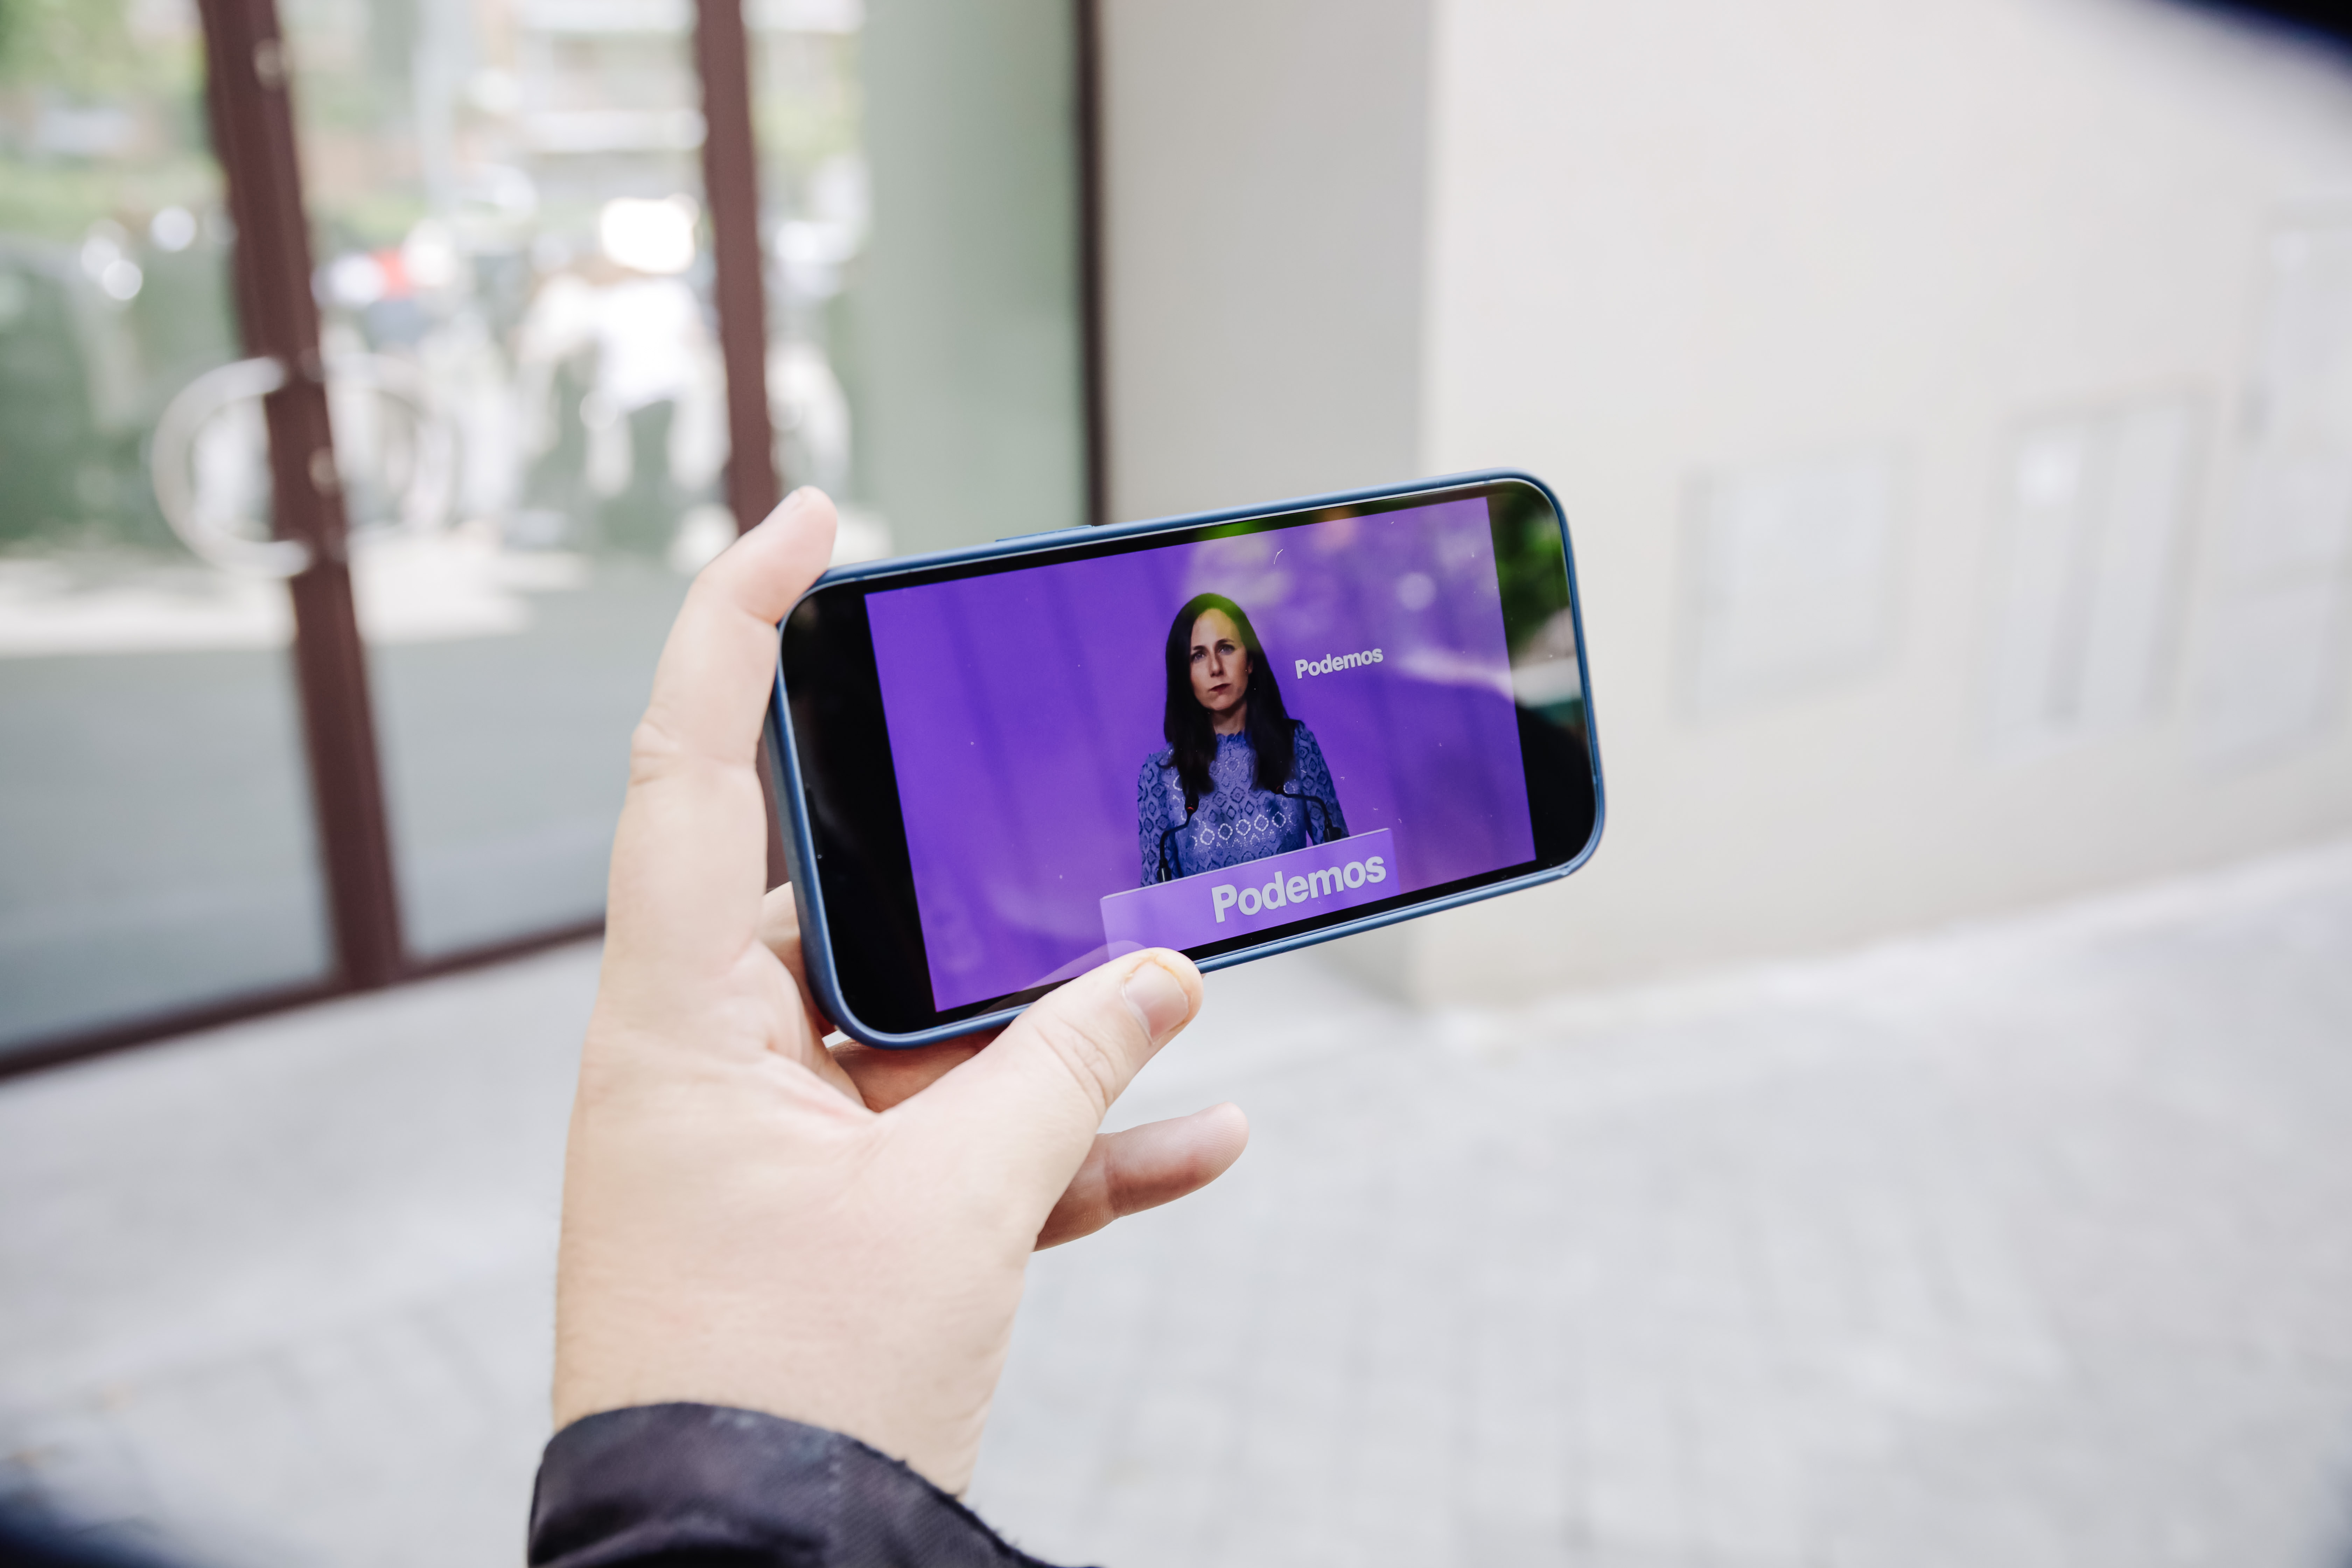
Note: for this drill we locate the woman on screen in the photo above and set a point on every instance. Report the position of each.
(1240, 778)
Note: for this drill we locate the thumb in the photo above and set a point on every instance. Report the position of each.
(1041, 1089)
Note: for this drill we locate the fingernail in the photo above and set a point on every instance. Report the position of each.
(1159, 1001)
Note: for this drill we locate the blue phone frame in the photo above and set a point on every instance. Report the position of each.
(808, 896)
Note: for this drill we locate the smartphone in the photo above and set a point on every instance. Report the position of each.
(1234, 733)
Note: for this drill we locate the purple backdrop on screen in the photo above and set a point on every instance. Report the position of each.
(1021, 705)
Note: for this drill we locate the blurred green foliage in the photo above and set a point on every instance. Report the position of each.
(86, 56)
(80, 48)
(102, 128)
(1529, 560)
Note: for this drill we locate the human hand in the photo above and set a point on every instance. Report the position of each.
(839, 1236)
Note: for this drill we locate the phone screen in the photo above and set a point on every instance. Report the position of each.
(1205, 740)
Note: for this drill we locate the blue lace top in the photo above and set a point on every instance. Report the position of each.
(1238, 822)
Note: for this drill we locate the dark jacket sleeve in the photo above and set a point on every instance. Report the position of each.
(697, 1486)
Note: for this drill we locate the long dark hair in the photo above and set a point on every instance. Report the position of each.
(1190, 732)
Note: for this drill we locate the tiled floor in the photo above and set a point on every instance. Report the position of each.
(282, 1291)
(2028, 1243)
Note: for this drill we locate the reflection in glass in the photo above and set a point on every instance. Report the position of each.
(156, 849)
(918, 163)
(505, 201)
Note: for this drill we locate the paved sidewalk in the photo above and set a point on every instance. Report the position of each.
(2028, 1243)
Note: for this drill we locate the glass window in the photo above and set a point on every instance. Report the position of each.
(504, 201)
(919, 168)
(156, 847)
(505, 196)
(529, 415)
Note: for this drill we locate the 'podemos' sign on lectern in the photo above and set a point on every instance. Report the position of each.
(1255, 896)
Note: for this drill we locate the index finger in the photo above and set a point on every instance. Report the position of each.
(688, 860)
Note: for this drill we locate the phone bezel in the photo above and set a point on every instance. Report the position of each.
(802, 848)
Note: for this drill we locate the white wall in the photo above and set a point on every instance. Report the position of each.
(1265, 167)
(1710, 266)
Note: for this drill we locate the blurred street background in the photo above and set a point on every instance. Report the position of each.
(1916, 1137)
(2022, 1244)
